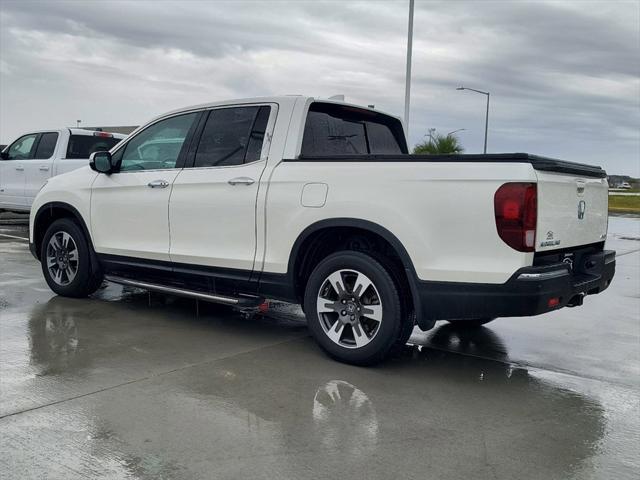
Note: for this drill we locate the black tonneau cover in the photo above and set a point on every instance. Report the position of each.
(538, 162)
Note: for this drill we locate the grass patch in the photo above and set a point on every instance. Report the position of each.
(622, 190)
(624, 203)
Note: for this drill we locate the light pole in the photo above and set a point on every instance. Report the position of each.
(486, 121)
(407, 85)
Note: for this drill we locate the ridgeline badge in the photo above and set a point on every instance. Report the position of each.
(550, 242)
(582, 207)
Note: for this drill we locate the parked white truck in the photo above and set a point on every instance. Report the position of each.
(318, 202)
(28, 162)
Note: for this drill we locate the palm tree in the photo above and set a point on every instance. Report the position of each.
(439, 144)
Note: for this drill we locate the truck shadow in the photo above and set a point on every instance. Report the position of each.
(481, 342)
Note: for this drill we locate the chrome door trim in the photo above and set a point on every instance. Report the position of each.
(158, 184)
(241, 181)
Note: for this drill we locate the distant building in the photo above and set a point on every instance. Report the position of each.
(125, 129)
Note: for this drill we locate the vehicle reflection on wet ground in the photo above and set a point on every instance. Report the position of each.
(132, 385)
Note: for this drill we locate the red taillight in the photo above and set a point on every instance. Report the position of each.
(103, 134)
(516, 210)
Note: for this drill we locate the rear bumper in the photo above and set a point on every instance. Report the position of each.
(527, 293)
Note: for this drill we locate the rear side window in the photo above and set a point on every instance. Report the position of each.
(342, 130)
(81, 146)
(232, 136)
(47, 145)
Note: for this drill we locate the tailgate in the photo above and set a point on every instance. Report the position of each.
(572, 210)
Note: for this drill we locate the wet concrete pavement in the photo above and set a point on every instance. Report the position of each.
(124, 385)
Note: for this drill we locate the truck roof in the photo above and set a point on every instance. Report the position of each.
(72, 131)
(83, 131)
(279, 99)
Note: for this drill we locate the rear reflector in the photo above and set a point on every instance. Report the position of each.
(553, 302)
(516, 211)
(103, 134)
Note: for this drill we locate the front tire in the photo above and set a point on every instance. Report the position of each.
(65, 257)
(353, 308)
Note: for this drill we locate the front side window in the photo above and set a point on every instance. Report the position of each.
(158, 146)
(21, 148)
(232, 136)
(46, 145)
(332, 129)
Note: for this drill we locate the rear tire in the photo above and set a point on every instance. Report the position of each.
(360, 318)
(471, 323)
(405, 333)
(66, 260)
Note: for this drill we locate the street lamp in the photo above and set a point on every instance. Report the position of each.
(456, 131)
(486, 122)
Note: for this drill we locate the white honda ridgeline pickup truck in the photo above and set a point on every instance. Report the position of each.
(319, 203)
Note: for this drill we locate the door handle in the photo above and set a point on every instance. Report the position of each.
(44, 168)
(158, 184)
(20, 169)
(241, 181)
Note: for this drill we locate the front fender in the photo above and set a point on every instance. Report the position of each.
(72, 190)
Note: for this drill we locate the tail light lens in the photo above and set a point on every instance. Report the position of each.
(516, 210)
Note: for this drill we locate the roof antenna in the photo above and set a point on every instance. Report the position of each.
(338, 98)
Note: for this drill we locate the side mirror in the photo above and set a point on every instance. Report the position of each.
(101, 162)
(4, 155)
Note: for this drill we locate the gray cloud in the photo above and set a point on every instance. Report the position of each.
(564, 77)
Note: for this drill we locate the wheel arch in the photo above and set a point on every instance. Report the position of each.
(311, 233)
(49, 213)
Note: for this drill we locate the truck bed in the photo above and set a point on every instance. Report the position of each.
(538, 162)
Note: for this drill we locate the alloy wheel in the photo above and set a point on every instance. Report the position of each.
(349, 308)
(62, 258)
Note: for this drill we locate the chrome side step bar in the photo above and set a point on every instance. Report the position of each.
(208, 297)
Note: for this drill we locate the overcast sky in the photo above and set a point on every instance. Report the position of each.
(564, 77)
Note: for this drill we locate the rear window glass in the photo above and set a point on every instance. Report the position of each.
(81, 146)
(341, 130)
